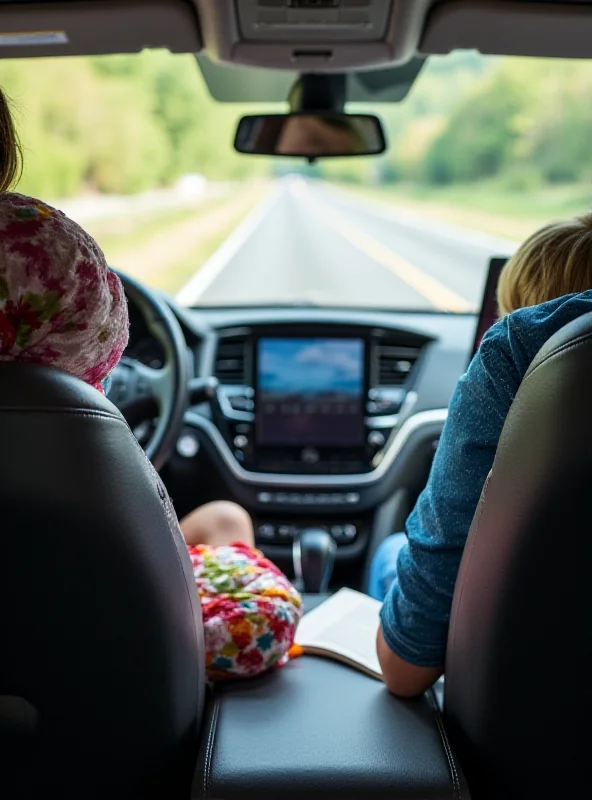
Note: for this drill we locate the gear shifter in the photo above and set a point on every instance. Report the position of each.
(313, 554)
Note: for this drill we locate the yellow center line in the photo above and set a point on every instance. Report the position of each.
(439, 295)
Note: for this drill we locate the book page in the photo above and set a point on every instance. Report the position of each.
(345, 624)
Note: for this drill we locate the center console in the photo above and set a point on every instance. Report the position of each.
(319, 729)
(315, 401)
(316, 407)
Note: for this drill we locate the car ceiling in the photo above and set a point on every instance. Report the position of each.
(381, 44)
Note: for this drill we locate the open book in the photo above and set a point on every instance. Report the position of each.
(343, 628)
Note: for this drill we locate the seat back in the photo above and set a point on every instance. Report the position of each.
(519, 655)
(101, 658)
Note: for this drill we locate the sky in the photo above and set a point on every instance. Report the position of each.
(308, 366)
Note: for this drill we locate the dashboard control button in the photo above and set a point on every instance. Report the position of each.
(385, 401)
(240, 442)
(376, 439)
(337, 531)
(285, 532)
(143, 388)
(266, 531)
(282, 498)
(352, 498)
(239, 403)
(295, 499)
(243, 428)
(265, 497)
(240, 456)
(350, 531)
(310, 455)
(187, 445)
(308, 499)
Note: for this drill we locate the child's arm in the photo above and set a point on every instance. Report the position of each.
(416, 611)
(401, 678)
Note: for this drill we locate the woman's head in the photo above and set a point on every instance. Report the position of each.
(555, 261)
(60, 304)
(10, 149)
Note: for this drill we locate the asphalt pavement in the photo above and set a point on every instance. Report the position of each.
(311, 242)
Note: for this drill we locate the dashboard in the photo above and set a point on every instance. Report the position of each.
(322, 418)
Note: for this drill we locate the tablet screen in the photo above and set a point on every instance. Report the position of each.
(489, 310)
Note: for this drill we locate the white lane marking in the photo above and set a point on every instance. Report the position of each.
(215, 265)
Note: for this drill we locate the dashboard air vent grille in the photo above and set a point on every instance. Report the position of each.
(232, 359)
(394, 364)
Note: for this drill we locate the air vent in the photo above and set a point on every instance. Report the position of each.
(232, 359)
(394, 364)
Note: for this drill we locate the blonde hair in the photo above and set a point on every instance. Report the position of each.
(555, 261)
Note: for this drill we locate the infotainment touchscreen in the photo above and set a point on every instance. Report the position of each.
(310, 392)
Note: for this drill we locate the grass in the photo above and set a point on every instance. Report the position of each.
(132, 231)
(165, 250)
(489, 207)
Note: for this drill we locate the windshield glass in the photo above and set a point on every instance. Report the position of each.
(481, 153)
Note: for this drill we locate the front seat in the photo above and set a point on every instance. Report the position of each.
(101, 650)
(519, 658)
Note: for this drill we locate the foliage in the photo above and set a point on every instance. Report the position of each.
(125, 124)
(119, 124)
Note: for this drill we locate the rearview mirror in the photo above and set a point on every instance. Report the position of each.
(310, 135)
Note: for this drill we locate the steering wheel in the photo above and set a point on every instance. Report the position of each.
(136, 388)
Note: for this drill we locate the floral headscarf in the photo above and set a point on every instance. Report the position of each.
(60, 304)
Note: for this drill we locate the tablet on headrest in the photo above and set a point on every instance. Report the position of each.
(489, 310)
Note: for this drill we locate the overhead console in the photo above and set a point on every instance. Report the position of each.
(316, 20)
(311, 35)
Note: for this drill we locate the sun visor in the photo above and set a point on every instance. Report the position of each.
(73, 28)
(550, 30)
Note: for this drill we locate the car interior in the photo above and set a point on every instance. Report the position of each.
(102, 687)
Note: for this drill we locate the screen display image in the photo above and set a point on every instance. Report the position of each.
(489, 310)
(310, 392)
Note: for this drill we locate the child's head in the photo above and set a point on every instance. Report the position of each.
(555, 261)
(60, 304)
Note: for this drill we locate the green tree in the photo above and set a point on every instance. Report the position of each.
(481, 133)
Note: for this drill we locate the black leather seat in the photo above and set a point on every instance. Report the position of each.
(517, 695)
(101, 655)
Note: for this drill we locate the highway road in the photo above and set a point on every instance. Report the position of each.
(310, 242)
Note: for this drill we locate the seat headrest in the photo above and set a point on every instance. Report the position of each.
(37, 387)
(574, 334)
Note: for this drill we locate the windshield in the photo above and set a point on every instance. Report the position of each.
(481, 153)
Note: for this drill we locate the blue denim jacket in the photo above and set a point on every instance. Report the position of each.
(416, 610)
